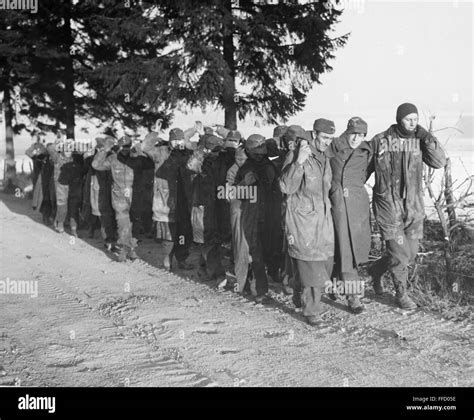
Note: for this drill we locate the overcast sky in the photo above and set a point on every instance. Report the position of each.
(417, 51)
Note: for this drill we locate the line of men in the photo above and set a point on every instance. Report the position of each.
(294, 207)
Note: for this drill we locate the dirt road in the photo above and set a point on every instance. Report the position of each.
(96, 322)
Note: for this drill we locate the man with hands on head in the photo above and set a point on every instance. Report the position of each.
(398, 157)
(305, 180)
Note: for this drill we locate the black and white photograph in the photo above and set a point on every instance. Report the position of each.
(203, 195)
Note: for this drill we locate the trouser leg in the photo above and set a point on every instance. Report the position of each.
(311, 301)
(211, 258)
(310, 280)
(46, 211)
(168, 250)
(74, 206)
(400, 252)
(108, 225)
(379, 267)
(258, 263)
(240, 248)
(352, 283)
(183, 237)
(260, 276)
(124, 229)
(62, 193)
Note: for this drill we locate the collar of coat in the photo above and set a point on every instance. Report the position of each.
(320, 156)
(342, 143)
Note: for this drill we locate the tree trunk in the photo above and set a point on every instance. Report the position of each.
(444, 225)
(10, 168)
(69, 74)
(228, 95)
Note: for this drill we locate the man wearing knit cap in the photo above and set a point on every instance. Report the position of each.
(350, 156)
(306, 180)
(398, 156)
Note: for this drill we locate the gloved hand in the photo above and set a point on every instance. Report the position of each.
(109, 144)
(303, 152)
(421, 133)
(250, 178)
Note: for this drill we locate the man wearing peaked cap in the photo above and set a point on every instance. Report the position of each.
(254, 185)
(126, 173)
(172, 194)
(176, 134)
(324, 125)
(277, 148)
(356, 125)
(234, 136)
(309, 232)
(350, 156)
(212, 143)
(68, 173)
(256, 144)
(323, 131)
(96, 199)
(176, 138)
(398, 157)
(208, 213)
(296, 132)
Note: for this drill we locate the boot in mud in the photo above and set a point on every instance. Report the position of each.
(401, 296)
(122, 254)
(167, 262)
(314, 321)
(60, 227)
(355, 305)
(405, 302)
(132, 255)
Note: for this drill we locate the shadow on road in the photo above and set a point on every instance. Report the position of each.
(153, 253)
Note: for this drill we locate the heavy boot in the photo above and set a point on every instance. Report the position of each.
(377, 283)
(167, 262)
(183, 265)
(314, 321)
(73, 224)
(296, 298)
(355, 304)
(61, 217)
(401, 296)
(262, 299)
(132, 255)
(122, 254)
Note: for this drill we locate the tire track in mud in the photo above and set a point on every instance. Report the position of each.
(420, 339)
(167, 363)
